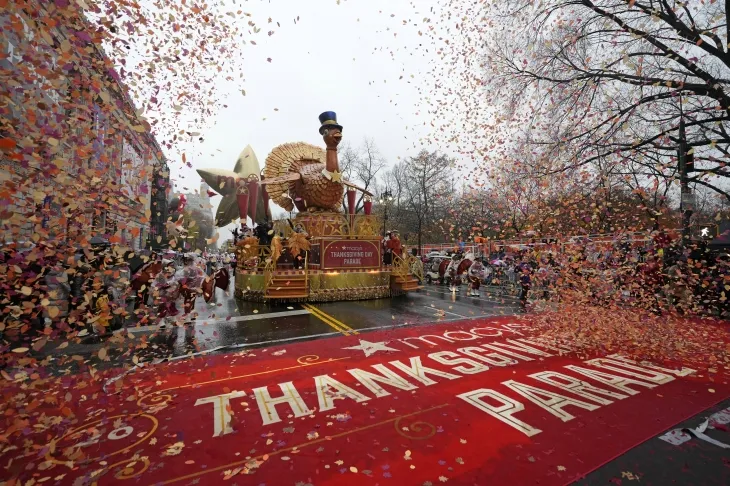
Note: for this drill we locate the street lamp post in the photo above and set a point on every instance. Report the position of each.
(193, 237)
(385, 198)
(686, 165)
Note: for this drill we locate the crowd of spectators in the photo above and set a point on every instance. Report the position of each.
(52, 287)
(660, 274)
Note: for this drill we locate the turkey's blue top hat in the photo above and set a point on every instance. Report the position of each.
(328, 119)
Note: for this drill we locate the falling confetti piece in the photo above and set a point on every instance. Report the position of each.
(7, 143)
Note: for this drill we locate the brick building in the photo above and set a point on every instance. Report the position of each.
(159, 205)
(83, 162)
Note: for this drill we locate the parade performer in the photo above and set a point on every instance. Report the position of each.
(298, 245)
(387, 252)
(455, 282)
(143, 278)
(247, 248)
(394, 244)
(190, 279)
(525, 284)
(276, 249)
(165, 291)
(98, 287)
(476, 274)
(221, 279)
(102, 307)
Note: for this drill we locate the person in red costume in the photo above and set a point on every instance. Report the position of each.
(394, 244)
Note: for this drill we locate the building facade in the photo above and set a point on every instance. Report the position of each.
(77, 161)
(200, 201)
(199, 208)
(160, 209)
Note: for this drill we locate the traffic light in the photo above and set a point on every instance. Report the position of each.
(707, 231)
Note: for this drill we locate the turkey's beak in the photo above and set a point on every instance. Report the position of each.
(337, 135)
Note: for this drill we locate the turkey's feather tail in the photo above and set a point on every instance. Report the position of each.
(286, 159)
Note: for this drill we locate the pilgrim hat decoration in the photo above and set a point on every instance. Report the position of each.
(328, 119)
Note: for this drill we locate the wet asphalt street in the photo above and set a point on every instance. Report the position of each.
(231, 322)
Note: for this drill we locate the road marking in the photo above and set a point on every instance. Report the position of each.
(333, 334)
(330, 321)
(303, 445)
(486, 298)
(445, 312)
(252, 317)
(375, 328)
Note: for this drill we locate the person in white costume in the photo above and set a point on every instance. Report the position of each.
(476, 274)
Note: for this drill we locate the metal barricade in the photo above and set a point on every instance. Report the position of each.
(502, 282)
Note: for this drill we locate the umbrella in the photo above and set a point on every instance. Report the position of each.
(98, 241)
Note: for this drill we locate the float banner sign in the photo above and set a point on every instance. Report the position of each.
(346, 254)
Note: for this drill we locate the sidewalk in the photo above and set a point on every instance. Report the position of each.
(145, 342)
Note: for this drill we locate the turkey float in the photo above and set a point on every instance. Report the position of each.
(320, 254)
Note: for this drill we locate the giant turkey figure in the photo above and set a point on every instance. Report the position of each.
(304, 175)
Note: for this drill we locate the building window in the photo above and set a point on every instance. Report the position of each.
(46, 212)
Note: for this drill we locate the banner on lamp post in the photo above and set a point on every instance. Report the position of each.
(242, 198)
(368, 207)
(253, 192)
(351, 201)
(265, 198)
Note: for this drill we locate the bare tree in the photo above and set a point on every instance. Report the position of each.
(419, 186)
(366, 171)
(348, 158)
(361, 165)
(590, 81)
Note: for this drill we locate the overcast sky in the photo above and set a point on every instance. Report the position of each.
(347, 57)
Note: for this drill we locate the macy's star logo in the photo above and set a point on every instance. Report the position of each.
(371, 348)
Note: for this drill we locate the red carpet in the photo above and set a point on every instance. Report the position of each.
(406, 423)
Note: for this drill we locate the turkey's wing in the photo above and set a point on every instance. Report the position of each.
(295, 176)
